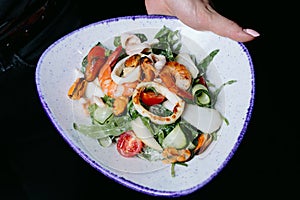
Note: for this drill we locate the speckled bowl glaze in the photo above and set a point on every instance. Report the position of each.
(56, 71)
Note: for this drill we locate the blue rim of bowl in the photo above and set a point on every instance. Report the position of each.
(108, 173)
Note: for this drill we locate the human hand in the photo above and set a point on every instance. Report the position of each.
(199, 15)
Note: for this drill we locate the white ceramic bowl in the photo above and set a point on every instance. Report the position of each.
(56, 71)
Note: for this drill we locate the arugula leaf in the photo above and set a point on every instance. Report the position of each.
(202, 66)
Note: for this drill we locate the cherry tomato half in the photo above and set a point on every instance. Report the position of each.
(128, 144)
(151, 98)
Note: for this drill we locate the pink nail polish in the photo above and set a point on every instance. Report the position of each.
(252, 32)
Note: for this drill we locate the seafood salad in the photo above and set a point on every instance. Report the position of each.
(148, 98)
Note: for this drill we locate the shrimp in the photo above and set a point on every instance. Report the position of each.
(110, 87)
(177, 78)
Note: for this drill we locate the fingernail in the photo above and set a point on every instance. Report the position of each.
(252, 32)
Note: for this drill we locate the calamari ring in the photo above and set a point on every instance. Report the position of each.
(173, 98)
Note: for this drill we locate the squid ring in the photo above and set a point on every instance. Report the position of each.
(172, 97)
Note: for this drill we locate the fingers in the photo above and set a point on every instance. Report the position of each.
(199, 15)
(157, 7)
(230, 29)
(205, 18)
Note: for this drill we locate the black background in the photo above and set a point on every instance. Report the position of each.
(36, 163)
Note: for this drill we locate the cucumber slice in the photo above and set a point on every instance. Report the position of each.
(198, 87)
(176, 138)
(201, 95)
(203, 99)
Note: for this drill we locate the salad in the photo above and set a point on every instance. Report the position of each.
(148, 98)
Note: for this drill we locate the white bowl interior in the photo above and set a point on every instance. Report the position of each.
(56, 70)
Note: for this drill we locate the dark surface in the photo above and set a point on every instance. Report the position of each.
(36, 163)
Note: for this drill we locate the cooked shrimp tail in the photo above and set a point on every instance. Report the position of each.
(108, 86)
(111, 60)
(177, 79)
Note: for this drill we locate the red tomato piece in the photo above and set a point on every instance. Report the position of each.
(128, 144)
(97, 52)
(96, 58)
(151, 98)
(202, 81)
